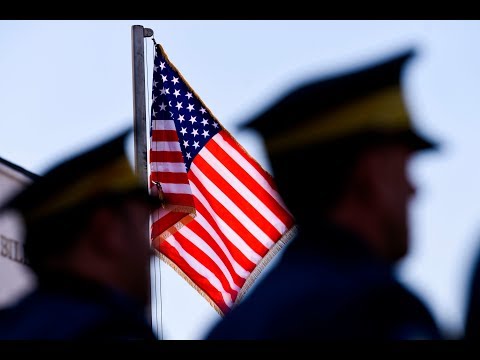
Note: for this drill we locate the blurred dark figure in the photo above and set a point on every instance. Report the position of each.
(86, 224)
(339, 150)
(472, 315)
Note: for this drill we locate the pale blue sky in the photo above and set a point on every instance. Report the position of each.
(67, 84)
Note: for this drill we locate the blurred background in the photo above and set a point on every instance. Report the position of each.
(66, 84)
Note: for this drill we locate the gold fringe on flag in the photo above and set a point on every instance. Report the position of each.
(289, 235)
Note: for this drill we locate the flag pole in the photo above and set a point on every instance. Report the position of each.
(139, 100)
(139, 113)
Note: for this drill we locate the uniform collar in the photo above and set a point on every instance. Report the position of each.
(332, 240)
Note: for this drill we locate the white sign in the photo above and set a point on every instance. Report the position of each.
(15, 276)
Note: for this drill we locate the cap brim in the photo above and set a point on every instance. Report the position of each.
(420, 142)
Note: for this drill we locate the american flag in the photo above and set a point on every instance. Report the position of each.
(223, 220)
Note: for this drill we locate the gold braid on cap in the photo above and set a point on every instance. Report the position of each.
(382, 111)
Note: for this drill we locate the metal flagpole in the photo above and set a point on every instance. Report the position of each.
(139, 112)
(139, 100)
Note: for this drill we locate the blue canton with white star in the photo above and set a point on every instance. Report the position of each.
(173, 99)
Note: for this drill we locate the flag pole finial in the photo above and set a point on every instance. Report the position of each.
(147, 32)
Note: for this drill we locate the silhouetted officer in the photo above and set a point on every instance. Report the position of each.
(339, 149)
(86, 224)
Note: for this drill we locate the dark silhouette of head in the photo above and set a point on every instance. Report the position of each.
(330, 143)
(89, 215)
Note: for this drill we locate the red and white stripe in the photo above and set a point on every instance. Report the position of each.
(239, 215)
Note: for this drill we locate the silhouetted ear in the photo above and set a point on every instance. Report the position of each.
(104, 234)
(364, 178)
